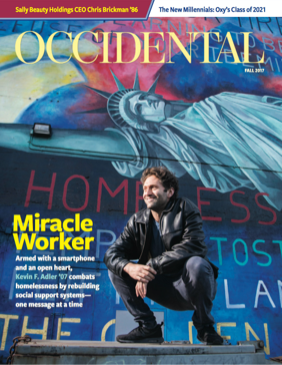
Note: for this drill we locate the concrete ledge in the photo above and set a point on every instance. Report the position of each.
(90, 352)
(50, 347)
(181, 359)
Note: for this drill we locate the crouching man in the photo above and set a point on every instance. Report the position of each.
(172, 269)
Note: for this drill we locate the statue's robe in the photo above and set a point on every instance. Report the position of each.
(227, 141)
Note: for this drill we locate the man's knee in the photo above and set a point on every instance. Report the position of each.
(119, 281)
(116, 281)
(197, 267)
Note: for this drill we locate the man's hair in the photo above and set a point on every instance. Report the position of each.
(166, 177)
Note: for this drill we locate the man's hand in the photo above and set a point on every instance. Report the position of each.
(139, 272)
(141, 289)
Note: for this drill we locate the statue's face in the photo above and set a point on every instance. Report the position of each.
(148, 107)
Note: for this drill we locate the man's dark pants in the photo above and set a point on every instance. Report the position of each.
(194, 290)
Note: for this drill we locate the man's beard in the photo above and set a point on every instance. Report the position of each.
(155, 204)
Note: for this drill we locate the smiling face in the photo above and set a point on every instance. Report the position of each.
(155, 195)
(148, 107)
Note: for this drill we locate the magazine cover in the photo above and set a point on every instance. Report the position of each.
(86, 106)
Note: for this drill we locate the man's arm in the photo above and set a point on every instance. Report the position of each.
(141, 289)
(142, 273)
(124, 249)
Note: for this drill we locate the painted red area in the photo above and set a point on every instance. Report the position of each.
(123, 185)
(78, 209)
(204, 202)
(248, 214)
(32, 187)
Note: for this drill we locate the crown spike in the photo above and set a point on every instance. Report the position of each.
(153, 87)
(102, 93)
(118, 83)
(94, 111)
(136, 85)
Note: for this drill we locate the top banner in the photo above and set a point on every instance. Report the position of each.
(132, 9)
(218, 8)
(85, 9)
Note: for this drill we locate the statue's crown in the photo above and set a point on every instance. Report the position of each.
(116, 101)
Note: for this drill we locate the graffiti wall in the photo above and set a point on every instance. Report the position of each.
(139, 94)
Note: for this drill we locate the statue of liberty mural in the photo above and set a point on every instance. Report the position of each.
(226, 141)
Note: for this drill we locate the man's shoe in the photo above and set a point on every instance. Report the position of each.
(209, 336)
(143, 335)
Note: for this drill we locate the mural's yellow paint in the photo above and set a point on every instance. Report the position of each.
(42, 332)
(6, 318)
(65, 320)
(105, 328)
(31, 83)
(249, 329)
(224, 324)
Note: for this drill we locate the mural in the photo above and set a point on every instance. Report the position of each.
(216, 125)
